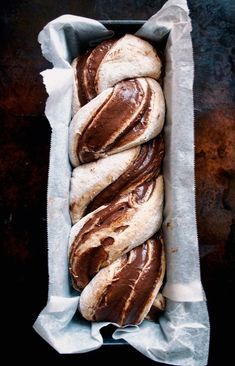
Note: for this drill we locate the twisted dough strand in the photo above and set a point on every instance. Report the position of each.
(116, 258)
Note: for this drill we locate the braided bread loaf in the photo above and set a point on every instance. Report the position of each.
(116, 254)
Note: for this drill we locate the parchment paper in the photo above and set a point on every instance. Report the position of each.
(182, 335)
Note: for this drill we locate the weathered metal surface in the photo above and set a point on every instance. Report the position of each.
(24, 141)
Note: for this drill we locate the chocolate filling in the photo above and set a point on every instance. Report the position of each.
(80, 77)
(145, 167)
(139, 127)
(144, 287)
(84, 265)
(92, 65)
(87, 266)
(125, 298)
(121, 113)
(87, 67)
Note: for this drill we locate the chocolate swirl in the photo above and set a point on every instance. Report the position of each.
(86, 260)
(126, 294)
(145, 167)
(87, 66)
(124, 112)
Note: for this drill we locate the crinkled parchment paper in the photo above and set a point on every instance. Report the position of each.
(182, 335)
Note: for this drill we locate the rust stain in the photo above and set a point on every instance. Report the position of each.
(215, 178)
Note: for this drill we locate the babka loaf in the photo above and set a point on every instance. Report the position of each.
(116, 249)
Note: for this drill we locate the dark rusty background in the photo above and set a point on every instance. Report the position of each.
(25, 139)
